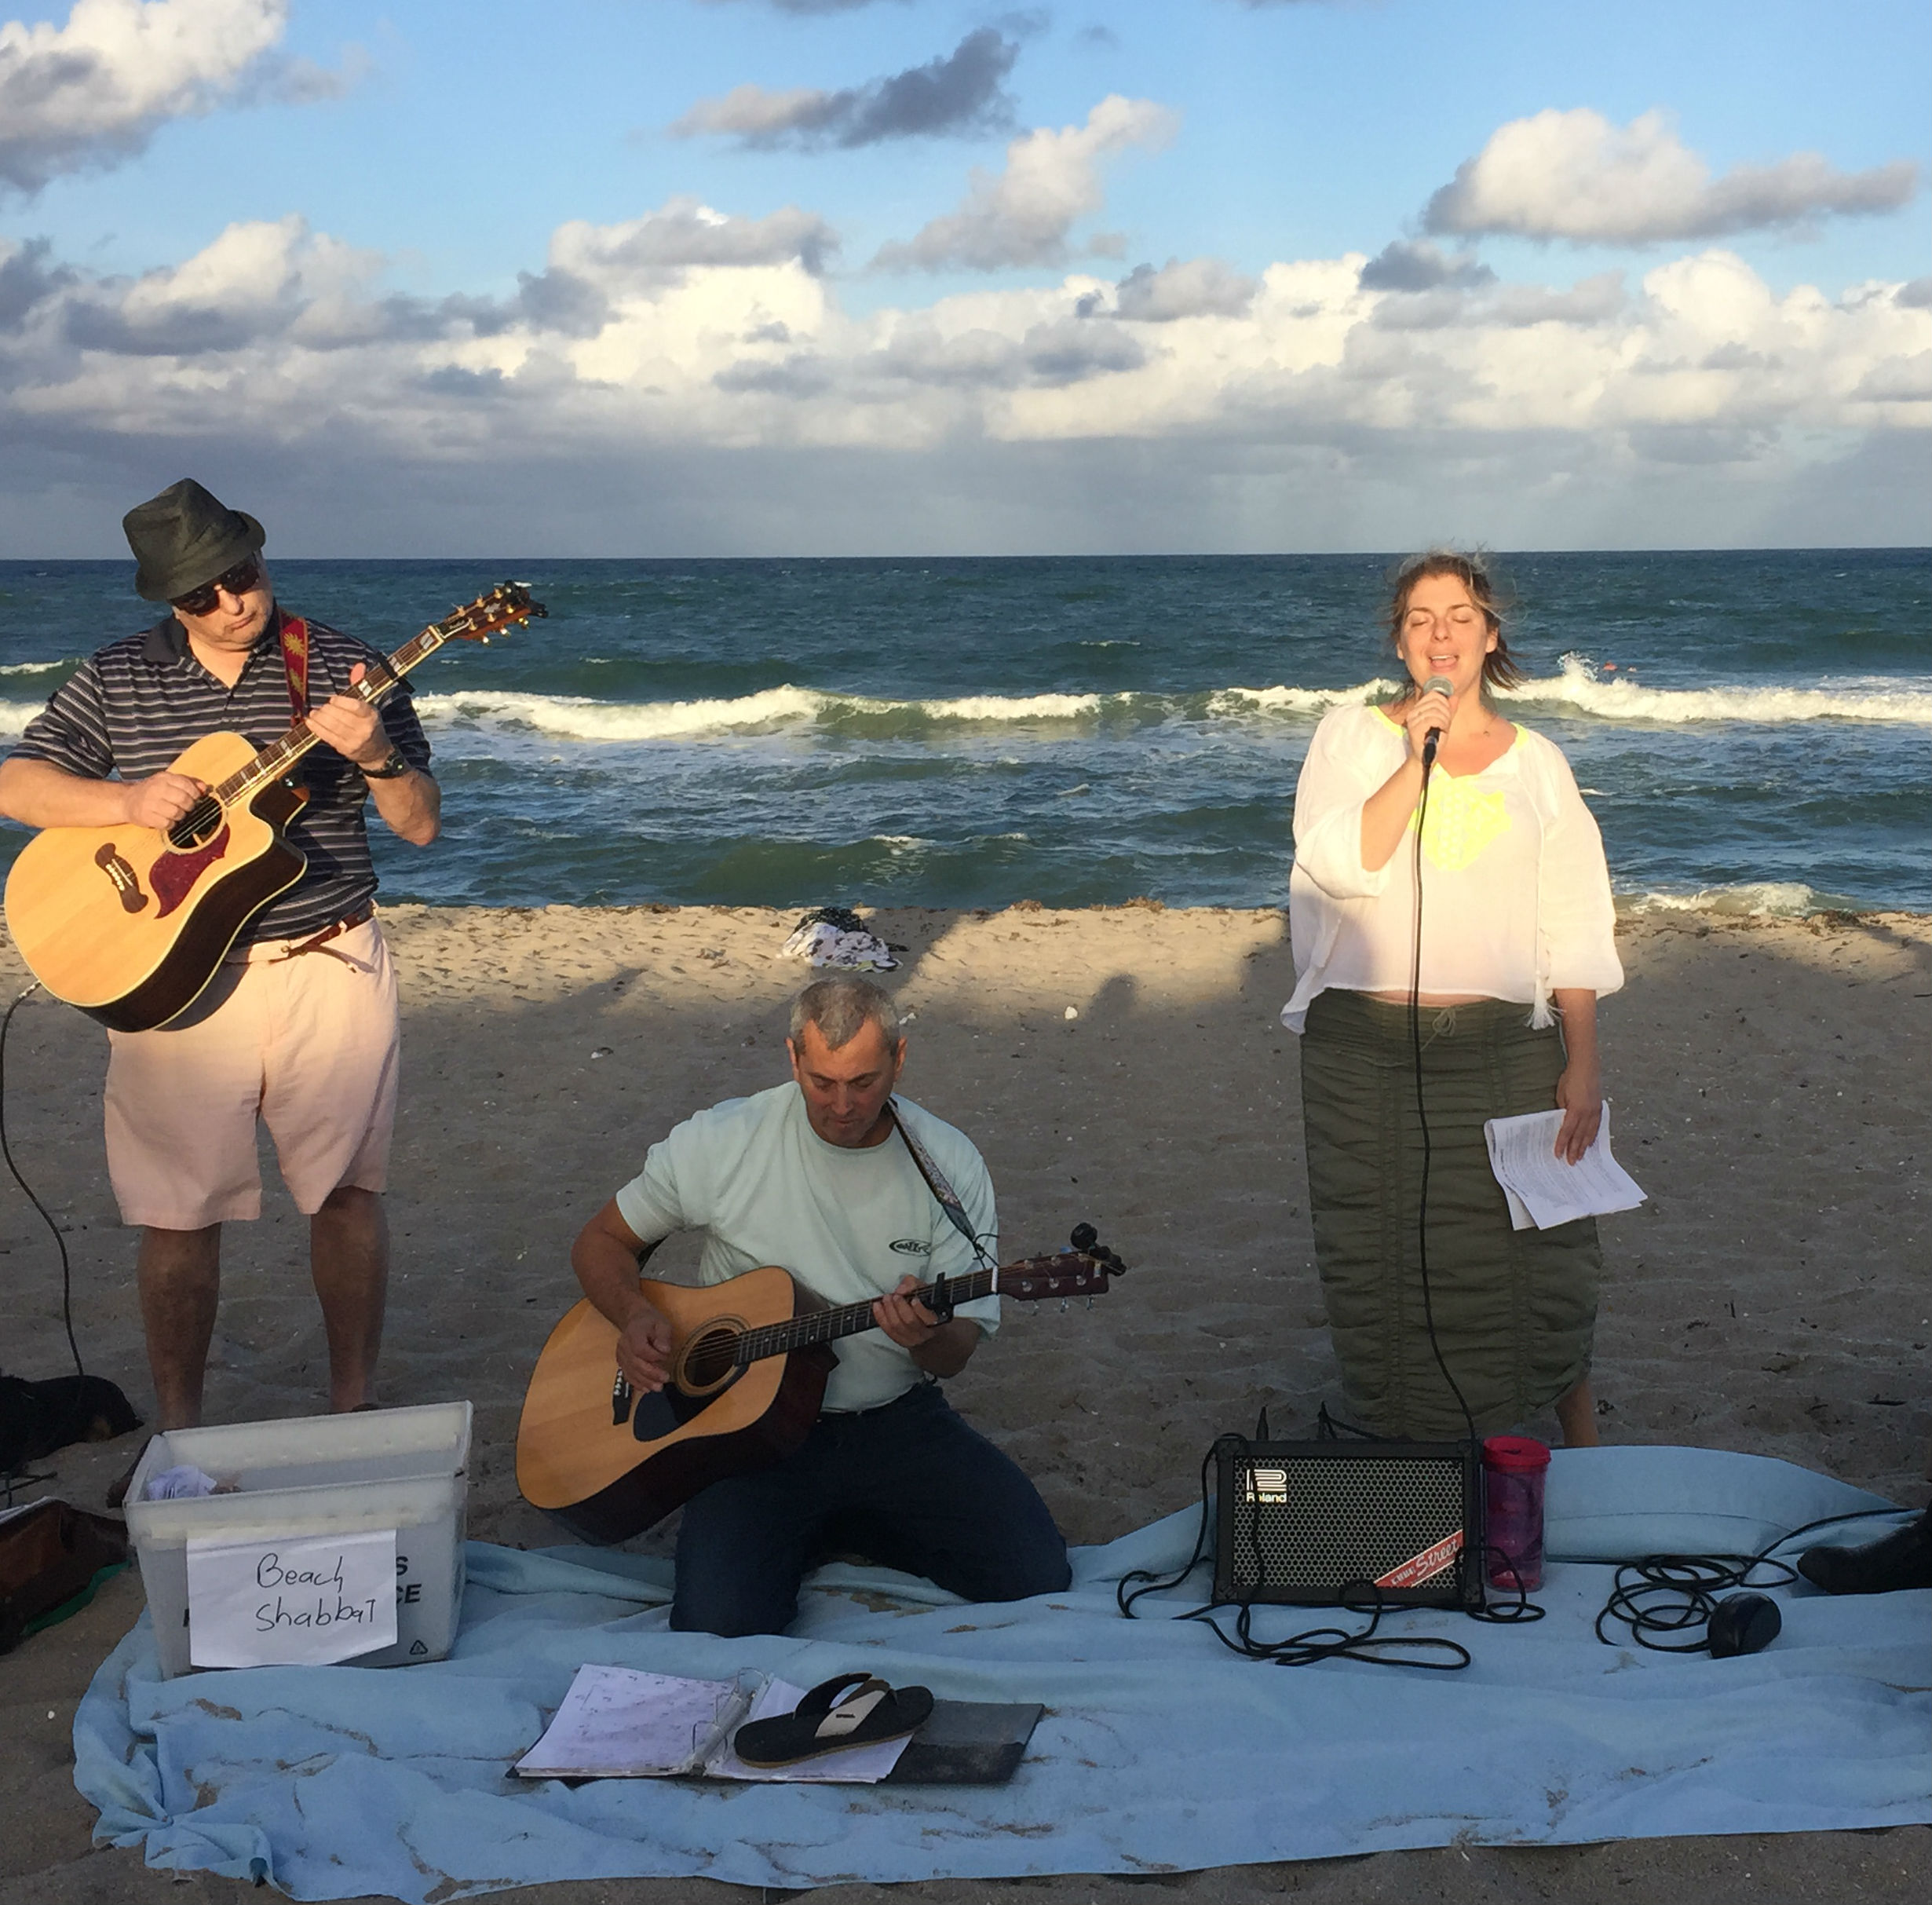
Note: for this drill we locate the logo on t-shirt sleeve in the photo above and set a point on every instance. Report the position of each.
(912, 1246)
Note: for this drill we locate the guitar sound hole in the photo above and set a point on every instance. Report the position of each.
(196, 827)
(708, 1359)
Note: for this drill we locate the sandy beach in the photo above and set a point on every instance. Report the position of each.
(1768, 1083)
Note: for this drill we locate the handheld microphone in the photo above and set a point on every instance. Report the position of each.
(1441, 685)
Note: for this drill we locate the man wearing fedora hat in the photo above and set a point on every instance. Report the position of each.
(300, 1026)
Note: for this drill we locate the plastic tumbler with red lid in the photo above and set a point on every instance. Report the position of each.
(1513, 1466)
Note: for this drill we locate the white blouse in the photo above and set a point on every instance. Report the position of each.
(1516, 897)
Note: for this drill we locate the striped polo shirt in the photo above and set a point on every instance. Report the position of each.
(133, 706)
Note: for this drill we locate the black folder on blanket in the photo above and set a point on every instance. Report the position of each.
(966, 1742)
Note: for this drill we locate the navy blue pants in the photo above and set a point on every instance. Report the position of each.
(909, 1485)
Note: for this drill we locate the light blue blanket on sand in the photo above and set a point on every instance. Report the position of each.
(1159, 1750)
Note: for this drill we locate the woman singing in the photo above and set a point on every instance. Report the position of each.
(1516, 920)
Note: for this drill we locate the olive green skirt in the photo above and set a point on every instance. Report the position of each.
(1514, 1310)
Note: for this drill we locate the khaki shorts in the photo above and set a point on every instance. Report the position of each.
(309, 1045)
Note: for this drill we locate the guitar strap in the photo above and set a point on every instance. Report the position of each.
(943, 1194)
(294, 633)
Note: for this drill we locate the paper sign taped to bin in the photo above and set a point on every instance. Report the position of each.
(300, 1600)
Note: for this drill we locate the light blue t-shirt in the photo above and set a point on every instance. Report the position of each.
(766, 1188)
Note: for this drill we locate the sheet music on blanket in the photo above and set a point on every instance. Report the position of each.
(616, 1722)
(1541, 1189)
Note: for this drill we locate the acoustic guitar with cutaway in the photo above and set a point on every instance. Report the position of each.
(748, 1373)
(131, 923)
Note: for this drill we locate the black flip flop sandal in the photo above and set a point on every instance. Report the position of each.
(854, 1709)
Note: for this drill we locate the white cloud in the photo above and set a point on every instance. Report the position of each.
(665, 342)
(957, 92)
(1403, 266)
(91, 92)
(683, 233)
(1195, 287)
(1574, 175)
(760, 116)
(1025, 214)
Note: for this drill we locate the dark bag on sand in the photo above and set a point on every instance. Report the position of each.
(37, 1418)
(50, 1553)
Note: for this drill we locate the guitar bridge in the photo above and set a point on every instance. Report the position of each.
(620, 1401)
(126, 882)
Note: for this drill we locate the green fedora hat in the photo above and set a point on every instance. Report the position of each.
(184, 537)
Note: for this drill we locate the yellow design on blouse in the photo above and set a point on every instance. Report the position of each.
(1463, 820)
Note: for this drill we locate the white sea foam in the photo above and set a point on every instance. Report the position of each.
(794, 709)
(34, 668)
(1286, 700)
(1009, 707)
(1756, 899)
(1580, 686)
(580, 718)
(14, 716)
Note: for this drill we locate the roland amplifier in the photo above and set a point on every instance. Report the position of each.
(1312, 1521)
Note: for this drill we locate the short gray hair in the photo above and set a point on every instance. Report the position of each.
(840, 1005)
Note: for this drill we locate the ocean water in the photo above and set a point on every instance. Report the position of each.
(1750, 728)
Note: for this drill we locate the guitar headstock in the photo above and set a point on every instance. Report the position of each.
(1081, 1269)
(507, 606)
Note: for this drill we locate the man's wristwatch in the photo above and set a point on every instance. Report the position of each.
(393, 767)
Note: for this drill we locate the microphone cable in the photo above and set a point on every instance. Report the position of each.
(1522, 1611)
(1421, 1108)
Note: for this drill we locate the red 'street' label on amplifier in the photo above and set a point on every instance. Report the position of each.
(1425, 1566)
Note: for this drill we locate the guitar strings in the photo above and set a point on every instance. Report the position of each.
(274, 760)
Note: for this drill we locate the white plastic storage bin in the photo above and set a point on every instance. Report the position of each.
(402, 1468)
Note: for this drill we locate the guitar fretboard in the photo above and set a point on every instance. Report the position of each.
(279, 757)
(849, 1319)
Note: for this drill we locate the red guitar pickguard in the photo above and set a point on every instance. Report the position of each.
(172, 876)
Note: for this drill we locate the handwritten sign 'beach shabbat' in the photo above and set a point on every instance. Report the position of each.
(304, 1600)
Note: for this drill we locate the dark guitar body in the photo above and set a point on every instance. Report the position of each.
(224, 909)
(642, 1498)
(610, 1466)
(129, 928)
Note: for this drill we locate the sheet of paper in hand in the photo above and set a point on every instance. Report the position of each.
(305, 1600)
(1544, 1189)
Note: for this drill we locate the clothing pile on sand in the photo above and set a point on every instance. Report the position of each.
(836, 936)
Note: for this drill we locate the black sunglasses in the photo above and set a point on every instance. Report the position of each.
(237, 581)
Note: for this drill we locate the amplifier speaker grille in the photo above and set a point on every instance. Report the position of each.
(1300, 1522)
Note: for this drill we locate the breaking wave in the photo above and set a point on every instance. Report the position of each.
(1578, 690)
(1767, 899)
(1581, 687)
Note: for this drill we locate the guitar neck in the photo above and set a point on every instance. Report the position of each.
(849, 1319)
(275, 760)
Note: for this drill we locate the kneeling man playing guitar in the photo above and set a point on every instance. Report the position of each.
(831, 1176)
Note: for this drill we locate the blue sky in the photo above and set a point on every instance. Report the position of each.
(684, 276)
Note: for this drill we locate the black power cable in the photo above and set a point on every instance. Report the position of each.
(77, 1409)
(6, 1151)
(1675, 1595)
